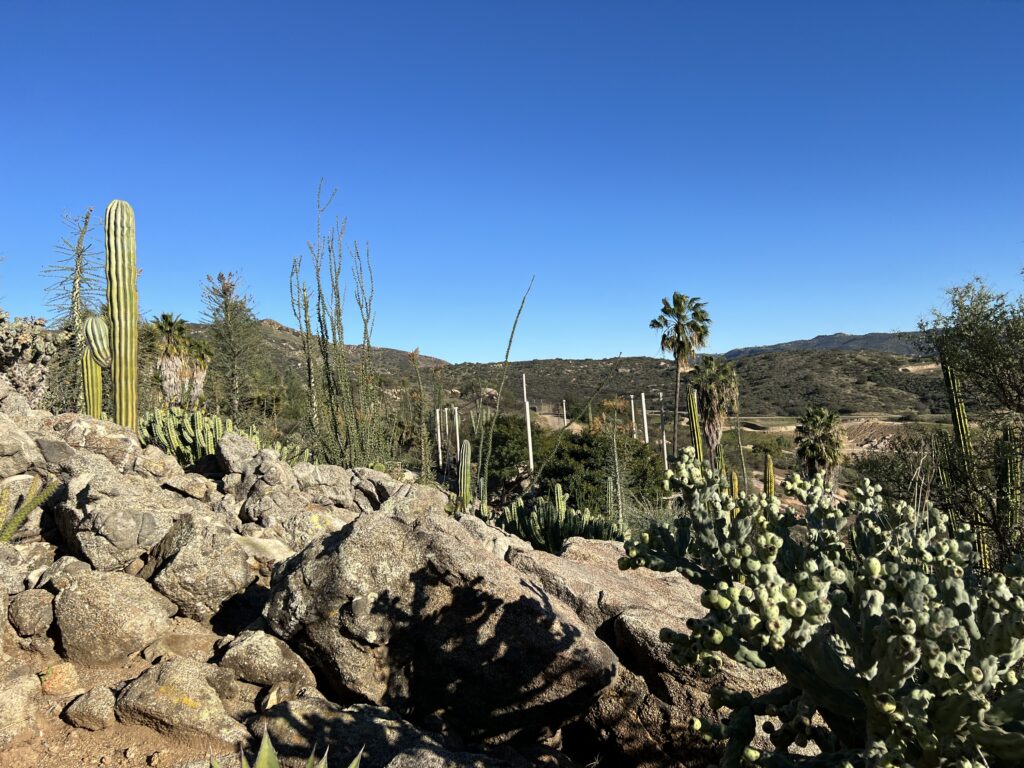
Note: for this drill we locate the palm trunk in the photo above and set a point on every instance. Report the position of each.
(675, 414)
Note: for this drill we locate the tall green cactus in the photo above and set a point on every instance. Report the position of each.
(962, 435)
(465, 500)
(695, 436)
(769, 475)
(123, 306)
(95, 357)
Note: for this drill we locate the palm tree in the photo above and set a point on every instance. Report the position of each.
(684, 326)
(714, 378)
(173, 360)
(819, 441)
(199, 355)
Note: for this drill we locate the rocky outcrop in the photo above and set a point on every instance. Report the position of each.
(409, 611)
(110, 519)
(19, 694)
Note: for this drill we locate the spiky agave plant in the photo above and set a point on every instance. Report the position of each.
(267, 758)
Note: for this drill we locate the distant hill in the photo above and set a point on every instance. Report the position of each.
(877, 372)
(892, 343)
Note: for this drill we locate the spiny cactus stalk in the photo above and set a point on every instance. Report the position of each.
(465, 500)
(123, 308)
(267, 757)
(695, 436)
(734, 485)
(36, 497)
(548, 524)
(769, 475)
(962, 436)
(897, 649)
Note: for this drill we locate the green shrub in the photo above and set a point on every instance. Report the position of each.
(897, 650)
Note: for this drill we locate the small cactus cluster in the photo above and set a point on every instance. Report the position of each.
(191, 436)
(548, 524)
(897, 648)
(36, 496)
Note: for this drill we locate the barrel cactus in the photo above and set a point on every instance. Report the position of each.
(897, 648)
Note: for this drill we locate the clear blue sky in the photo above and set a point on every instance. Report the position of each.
(805, 167)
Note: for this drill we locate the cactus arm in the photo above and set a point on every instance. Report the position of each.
(123, 306)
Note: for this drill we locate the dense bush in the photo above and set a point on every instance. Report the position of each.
(896, 649)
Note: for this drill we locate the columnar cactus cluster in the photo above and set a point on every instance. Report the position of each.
(548, 524)
(191, 436)
(898, 650)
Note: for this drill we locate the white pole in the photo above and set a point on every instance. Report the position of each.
(565, 416)
(458, 442)
(437, 421)
(632, 414)
(643, 410)
(529, 433)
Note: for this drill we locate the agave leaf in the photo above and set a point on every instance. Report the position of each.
(355, 763)
(267, 756)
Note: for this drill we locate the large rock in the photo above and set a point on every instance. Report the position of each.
(298, 725)
(111, 519)
(18, 451)
(256, 657)
(409, 610)
(93, 710)
(176, 697)
(647, 709)
(31, 612)
(120, 445)
(104, 618)
(199, 565)
(13, 569)
(19, 697)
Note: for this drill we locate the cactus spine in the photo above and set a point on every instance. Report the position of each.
(769, 475)
(465, 500)
(123, 306)
(695, 436)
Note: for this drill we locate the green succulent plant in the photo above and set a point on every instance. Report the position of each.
(548, 524)
(898, 649)
(267, 757)
(37, 496)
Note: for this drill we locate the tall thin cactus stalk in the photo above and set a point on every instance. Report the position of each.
(769, 475)
(123, 307)
(965, 451)
(695, 436)
(465, 500)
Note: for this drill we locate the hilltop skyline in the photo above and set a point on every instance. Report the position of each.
(805, 169)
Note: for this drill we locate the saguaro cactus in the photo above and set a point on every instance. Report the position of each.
(769, 475)
(95, 357)
(123, 306)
